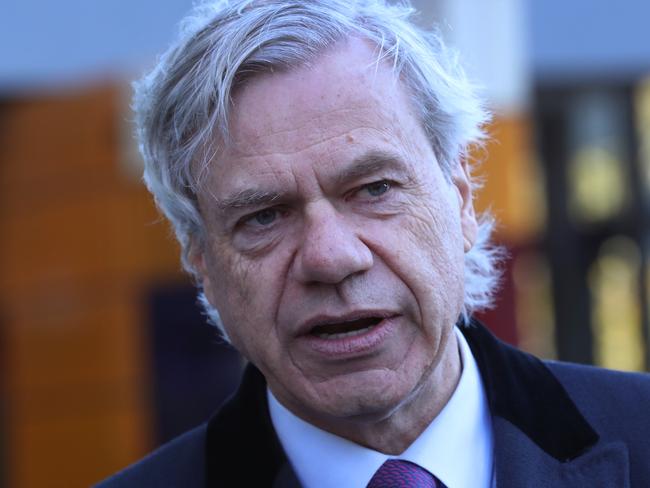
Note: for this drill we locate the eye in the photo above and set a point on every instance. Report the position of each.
(377, 188)
(263, 217)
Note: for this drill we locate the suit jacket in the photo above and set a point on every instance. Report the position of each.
(555, 425)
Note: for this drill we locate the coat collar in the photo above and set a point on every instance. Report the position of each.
(521, 390)
(541, 439)
(242, 448)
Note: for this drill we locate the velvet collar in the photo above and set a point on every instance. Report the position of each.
(522, 390)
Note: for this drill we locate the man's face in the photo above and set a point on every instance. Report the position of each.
(335, 244)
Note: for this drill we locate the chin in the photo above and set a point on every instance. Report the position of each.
(364, 395)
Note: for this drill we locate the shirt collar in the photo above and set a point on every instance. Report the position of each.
(456, 446)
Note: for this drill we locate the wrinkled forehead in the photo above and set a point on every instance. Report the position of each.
(349, 82)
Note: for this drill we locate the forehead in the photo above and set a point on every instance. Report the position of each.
(343, 104)
(345, 82)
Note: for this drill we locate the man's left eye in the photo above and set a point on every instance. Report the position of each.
(262, 218)
(378, 188)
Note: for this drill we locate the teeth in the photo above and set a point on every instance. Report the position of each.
(344, 334)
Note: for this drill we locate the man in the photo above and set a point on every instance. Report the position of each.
(311, 157)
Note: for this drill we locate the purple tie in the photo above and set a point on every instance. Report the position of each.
(396, 473)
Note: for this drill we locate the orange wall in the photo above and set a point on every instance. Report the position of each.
(512, 184)
(80, 243)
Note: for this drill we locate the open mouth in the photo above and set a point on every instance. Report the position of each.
(345, 329)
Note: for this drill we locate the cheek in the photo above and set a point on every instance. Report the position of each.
(247, 291)
(433, 225)
(437, 256)
(237, 293)
(231, 277)
(241, 312)
(424, 247)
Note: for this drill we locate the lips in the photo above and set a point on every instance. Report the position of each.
(348, 328)
(349, 335)
(333, 324)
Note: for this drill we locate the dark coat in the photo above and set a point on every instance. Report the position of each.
(555, 425)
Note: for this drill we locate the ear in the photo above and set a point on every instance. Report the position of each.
(461, 179)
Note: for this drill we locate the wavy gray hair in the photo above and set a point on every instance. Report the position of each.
(182, 107)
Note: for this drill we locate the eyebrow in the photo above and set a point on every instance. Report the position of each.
(247, 198)
(371, 162)
(368, 163)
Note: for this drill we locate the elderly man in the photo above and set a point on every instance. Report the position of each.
(311, 156)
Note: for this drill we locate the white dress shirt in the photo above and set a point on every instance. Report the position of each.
(456, 446)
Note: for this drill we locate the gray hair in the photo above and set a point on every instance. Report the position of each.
(182, 107)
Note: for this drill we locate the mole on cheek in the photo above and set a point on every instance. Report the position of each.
(349, 138)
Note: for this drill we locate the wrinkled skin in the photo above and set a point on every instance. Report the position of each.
(301, 225)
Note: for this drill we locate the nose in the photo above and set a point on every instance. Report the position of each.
(331, 249)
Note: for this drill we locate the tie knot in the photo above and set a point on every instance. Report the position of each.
(396, 473)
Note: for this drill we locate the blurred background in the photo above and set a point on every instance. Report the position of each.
(103, 352)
